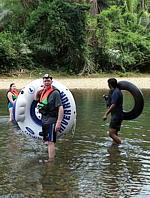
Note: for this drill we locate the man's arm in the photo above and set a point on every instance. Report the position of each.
(109, 110)
(60, 114)
(36, 95)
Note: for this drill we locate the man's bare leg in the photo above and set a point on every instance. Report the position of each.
(51, 151)
(113, 133)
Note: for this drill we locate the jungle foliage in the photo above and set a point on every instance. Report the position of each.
(62, 35)
(121, 41)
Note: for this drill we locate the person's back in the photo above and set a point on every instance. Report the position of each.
(117, 98)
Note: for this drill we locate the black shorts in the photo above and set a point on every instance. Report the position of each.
(49, 132)
(115, 124)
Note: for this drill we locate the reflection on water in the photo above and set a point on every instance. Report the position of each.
(87, 164)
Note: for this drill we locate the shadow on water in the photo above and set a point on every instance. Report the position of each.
(87, 164)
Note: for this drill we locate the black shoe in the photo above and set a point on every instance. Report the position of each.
(41, 133)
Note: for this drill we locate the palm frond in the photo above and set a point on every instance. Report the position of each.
(48, 47)
(3, 14)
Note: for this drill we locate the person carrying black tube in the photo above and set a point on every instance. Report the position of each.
(116, 110)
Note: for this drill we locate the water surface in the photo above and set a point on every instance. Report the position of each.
(86, 164)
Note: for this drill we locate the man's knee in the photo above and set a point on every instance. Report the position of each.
(112, 132)
(50, 143)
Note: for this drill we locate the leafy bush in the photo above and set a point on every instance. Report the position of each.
(120, 42)
(57, 34)
(61, 35)
(14, 54)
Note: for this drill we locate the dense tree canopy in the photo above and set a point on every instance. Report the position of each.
(122, 42)
(75, 35)
(57, 34)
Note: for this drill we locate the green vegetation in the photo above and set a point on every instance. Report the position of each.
(72, 37)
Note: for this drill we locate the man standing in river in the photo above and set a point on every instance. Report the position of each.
(116, 110)
(50, 106)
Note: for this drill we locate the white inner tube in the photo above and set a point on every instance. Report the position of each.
(26, 113)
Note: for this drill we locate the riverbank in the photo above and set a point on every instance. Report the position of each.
(79, 83)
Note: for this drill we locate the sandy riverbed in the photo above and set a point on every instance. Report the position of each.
(79, 83)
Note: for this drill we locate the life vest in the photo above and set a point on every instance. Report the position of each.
(44, 97)
(14, 92)
(43, 103)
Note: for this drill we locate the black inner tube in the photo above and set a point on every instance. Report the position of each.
(138, 98)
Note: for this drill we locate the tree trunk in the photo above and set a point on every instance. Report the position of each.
(94, 9)
(143, 4)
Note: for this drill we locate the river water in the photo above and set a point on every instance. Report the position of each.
(87, 164)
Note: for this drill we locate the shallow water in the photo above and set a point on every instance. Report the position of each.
(86, 164)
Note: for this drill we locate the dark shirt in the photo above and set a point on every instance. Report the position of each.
(54, 101)
(117, 99)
